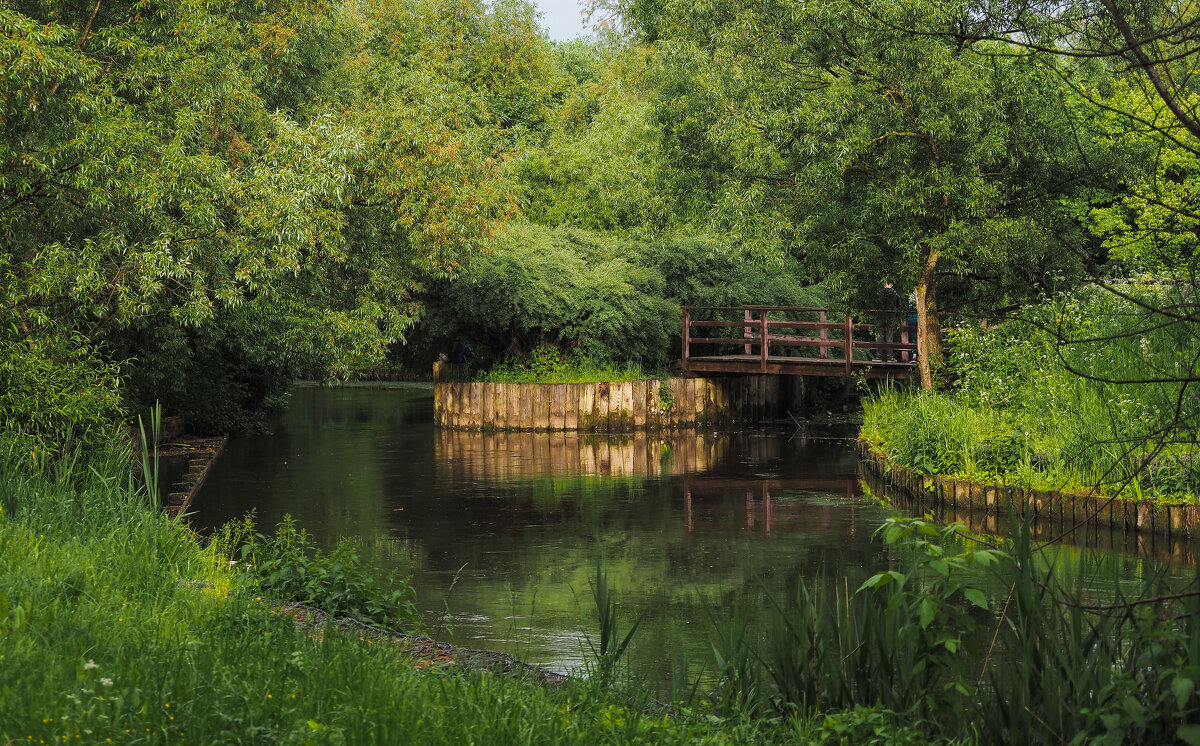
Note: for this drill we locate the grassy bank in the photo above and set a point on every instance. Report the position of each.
(117, 625)
(1088, 392)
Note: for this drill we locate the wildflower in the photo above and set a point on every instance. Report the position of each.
(105, 682)
(91, 665)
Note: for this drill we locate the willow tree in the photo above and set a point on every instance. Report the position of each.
(182, 196)
(868, 151)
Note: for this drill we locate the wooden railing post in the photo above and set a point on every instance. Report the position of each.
(766, 341)
(849, 344)
(747, 332)
(824, 335)
(687, 340)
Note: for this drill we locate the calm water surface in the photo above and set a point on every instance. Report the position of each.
(502, 533)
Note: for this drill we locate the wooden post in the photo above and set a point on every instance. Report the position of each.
(571, 406)
(488, 416)
(587, 407)
(747, 331)
(541, 404)
(558, 405)
(603, 405)
(638, 407)
(628, 404)
(764, 342)
(849, 344)
(824, 334)
(476, 411)
(687, 334)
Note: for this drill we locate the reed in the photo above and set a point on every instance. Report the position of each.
(928, 655)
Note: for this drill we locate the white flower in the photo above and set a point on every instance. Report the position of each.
(91, 665)
(105, 682)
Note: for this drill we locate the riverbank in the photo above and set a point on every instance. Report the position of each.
(1139, 527)
(119, 626)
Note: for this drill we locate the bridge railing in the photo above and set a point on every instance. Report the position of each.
(790, 334)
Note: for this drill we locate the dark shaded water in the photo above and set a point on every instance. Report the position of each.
(502, 533)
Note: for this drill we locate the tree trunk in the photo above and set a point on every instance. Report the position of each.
(929, 338)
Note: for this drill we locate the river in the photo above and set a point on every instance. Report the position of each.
(501, 533)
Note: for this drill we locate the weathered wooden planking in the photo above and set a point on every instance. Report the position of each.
(624, 406)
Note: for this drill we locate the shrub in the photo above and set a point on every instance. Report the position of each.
(289, 567)
(56, 394)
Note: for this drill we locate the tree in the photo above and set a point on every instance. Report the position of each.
(866, 151)
(264, 186)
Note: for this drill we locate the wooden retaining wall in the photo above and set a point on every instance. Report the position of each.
(625, 406)
(1140, 522)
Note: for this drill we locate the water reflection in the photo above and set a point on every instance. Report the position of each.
(502, 532)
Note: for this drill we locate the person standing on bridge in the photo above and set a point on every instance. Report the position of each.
(887, 322)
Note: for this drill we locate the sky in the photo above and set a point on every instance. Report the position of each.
(562, 19)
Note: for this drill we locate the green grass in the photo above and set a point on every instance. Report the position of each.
(1085, 393)
(117, 624)
(547, 364)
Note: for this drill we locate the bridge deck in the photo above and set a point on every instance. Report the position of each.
(798, 366)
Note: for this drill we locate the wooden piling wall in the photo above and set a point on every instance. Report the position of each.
(624, 406)
(1138, 523)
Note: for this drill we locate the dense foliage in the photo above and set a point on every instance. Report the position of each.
(609, 298)
(205, 203)
(201, 205)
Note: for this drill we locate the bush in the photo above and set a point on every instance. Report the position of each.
(1087, 390)
(56, 394)
(289, 567)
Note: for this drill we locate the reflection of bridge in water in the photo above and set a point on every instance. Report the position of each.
(705, 466)
(764, 508)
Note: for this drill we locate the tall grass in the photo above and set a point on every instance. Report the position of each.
(547, 364)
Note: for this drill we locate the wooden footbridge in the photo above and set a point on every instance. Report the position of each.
(786, 340)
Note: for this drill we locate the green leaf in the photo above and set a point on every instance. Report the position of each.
(879, 580)
(927, 611)
(1182, 687)
(975, 596)
(1189, 734)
